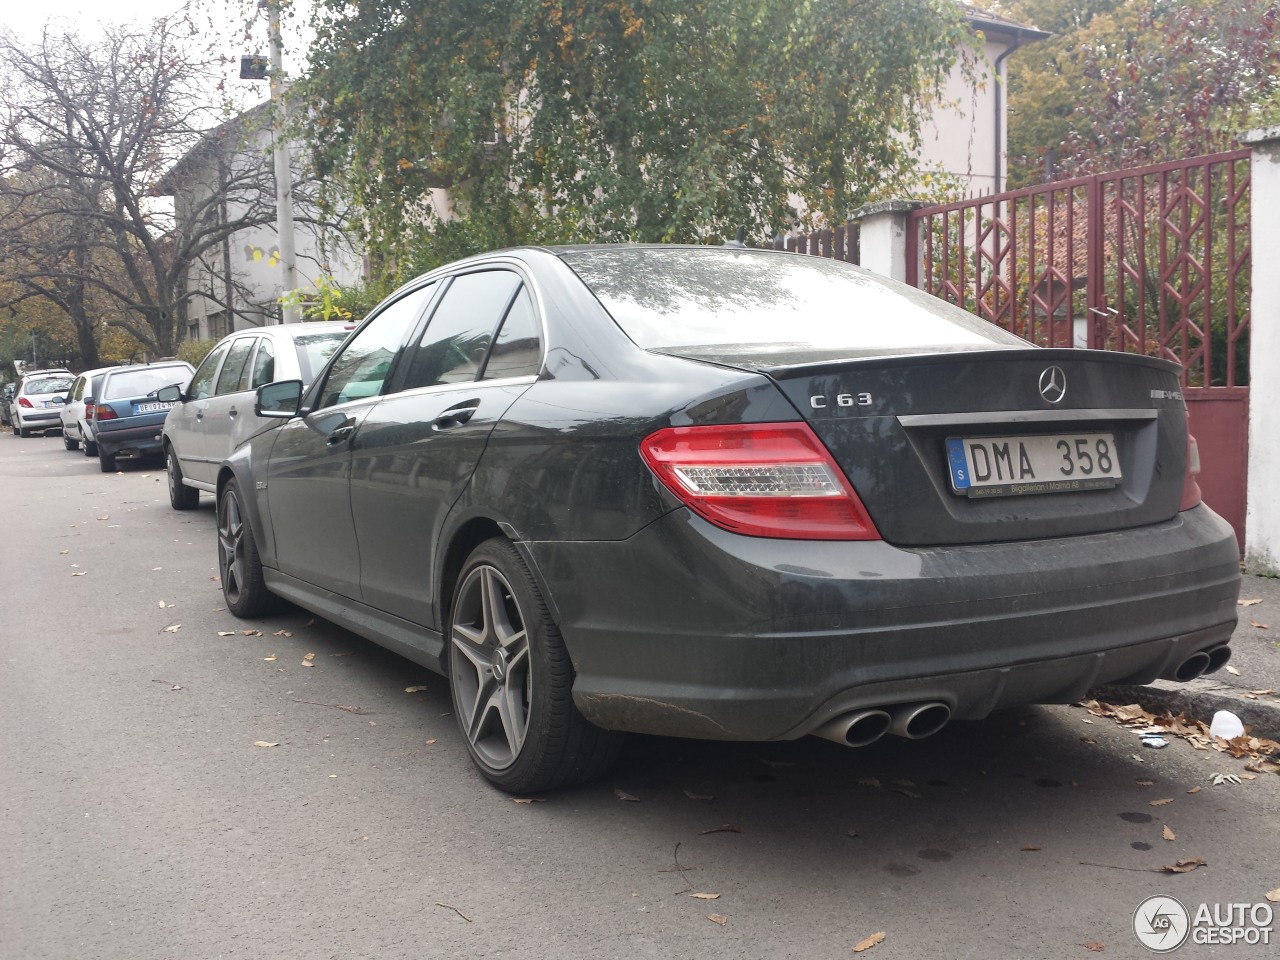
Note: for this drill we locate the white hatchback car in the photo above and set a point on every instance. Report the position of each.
(37, 399)
(77, 412)
(214, 415)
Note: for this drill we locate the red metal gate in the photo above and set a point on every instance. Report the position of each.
(1153, 260)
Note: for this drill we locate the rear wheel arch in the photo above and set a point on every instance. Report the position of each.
(465, 539)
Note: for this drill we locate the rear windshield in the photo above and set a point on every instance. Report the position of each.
(48, 385)
(756, 302)
(139, 383)
(315, 349)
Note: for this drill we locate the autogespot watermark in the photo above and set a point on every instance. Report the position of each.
(1162, 924)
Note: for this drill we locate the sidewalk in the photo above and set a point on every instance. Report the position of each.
(1256, 655)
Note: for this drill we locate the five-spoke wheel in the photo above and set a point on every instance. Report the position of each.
(239, 566)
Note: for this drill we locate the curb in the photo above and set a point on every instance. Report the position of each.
(1199, 699)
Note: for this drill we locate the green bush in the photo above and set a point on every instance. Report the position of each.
(194, 351)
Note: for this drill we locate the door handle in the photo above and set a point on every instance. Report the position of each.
(456, 415)
(340, 434)
(233, 413)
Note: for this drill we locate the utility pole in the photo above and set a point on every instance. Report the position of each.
(284, 174)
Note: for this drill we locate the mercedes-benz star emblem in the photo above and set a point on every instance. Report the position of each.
(1053, 384)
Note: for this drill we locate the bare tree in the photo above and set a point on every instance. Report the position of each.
(92, 133)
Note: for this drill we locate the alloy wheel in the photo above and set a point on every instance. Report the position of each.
(232, 562)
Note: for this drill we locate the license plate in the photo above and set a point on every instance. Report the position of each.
(52, 403)
(1016, 466)
(155, 407)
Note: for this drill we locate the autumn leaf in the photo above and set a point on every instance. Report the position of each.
(528, 800)
(1162, 802)
(869, 781)
(1232, 670)
(105, 516)
(1094, 946)
(283, 633)
(705, 896)
(1195, 789)
(1247, 603)
(173, 628)
(163, 605)
(870, 942)
(723, 828)
(226, 633)
(432, 742)
(251, 633)
(265, 743)
(271, 659)
(309, 660)
(80, 574)
(623, 795)
(1030, 848)
(1183, 866)
(1145, 783)
(1252, 623)
(698, 796)
(1273, 896)
(63, 553)
(418, 689)
(1168, 834)
(717, 918)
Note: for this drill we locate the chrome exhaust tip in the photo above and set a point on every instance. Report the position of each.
(1218, 658)
(857, 729)
(1192, 667)
(915, 721)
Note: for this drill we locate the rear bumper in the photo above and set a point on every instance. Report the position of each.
(40, 419)
(137, 440)
(687, 630)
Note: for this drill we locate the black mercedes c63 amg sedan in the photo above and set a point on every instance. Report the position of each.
(728, 494)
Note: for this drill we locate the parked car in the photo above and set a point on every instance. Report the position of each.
(214, 415)
(77, 413)
(38, 397)
(730, 494)
(6, 397)
(127, 416)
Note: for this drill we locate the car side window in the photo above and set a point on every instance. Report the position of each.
(264, 363)
(202, 383)
(457, 338)
(233, 377)
(517, 351)
(77, 391)
(361, 368)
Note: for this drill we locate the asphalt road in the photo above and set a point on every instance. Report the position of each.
(139, 820)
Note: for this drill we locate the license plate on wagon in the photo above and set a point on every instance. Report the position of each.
(151, 407)
(1021, 465)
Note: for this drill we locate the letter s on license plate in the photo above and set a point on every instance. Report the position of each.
(1048, 463)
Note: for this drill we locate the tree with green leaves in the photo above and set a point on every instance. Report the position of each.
(645, 120)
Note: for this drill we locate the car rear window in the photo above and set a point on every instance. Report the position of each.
(678, 297)
(139, 383)
(315, 349)
(47, 385)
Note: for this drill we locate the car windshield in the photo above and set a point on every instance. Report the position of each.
(139, 383)
(758, 302)
(315, 349)
(48, 385)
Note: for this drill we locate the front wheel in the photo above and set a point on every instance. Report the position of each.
(69, 442)
(239, 566)
(512, 681)
(181, 497)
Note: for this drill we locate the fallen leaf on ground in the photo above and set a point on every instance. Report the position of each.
(717, 918)
(907, 793)
(154, 569)
(1168, 834)
(271, 659)
(705, 896)
(173, 628)
(1247, 603)
(1262, 693)
(1232, 670)
(414, 689)
(1273, 896)
(1145, 783)
(251, 633)
(226, 633)
(698, 796)
(105, 516)
(265, 743)
(1088, 740)
(309, 660)
(1162, 802)
(63, 553)
(1094, 946)
(528, 800)
(163, 605)
(432, 741)
(869, 781)
(623, 795)
(80, 574)
(1195, 789)
(1252, 623)
(870, 942)
(1183, 866)
(283, 633)
(723, 828)
(1030, 848)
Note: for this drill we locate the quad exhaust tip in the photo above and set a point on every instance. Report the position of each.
(1218, 658)
(861, 728)
(1192, 667)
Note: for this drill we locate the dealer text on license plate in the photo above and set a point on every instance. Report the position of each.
(1050, 463)
(155, 407)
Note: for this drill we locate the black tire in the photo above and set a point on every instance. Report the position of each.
(69, 443)
(181, 497)
(511, 680)
(106, 462)
(21, 431)
(239, 566)
(90, 448)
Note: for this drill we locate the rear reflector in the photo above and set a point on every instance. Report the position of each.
(1191, 489)
(759, 479)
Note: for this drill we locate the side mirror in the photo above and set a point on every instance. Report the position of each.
(170, 394)
(280, 399)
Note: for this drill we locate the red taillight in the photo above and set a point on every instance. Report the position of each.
(1191, 489)
(759, 479)
(24, 402)
(104, 413)
(88, 409)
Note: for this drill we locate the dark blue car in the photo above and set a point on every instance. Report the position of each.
(127, 418)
